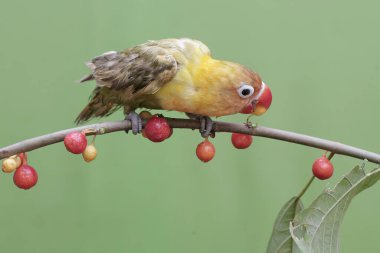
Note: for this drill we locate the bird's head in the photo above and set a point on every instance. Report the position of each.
(261, 101)
(254, 95)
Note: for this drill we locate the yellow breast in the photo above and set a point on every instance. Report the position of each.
(202, 87)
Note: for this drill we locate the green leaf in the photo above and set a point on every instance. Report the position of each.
(316, 229)
(281, 240)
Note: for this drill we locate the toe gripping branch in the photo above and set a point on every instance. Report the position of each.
(135, 122)
(206, 124)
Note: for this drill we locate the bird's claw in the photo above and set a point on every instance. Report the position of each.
(135, 122)
(206, 126)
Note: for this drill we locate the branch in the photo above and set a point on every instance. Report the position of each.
(109, 127)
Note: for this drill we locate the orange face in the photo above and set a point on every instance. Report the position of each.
(261, 103)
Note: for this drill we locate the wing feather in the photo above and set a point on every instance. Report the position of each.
(134, 70)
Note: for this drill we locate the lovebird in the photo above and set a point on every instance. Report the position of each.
(175, 75)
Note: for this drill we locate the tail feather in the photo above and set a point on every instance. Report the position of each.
(98, 107)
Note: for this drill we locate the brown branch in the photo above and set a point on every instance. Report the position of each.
(109, 127)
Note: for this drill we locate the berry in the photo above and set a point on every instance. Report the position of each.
(241, 141)
(157, 129)
(205, 151)
(25, 177)
(10, 164)
(171, 133)
(90, 153)
(75, 142)
(323, 168)
(145, 115)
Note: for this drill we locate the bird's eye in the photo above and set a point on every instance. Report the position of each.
(245, 91)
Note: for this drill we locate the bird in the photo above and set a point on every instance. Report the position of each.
(174, 75)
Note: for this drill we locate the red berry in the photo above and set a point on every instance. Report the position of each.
(25, 177)
(75, 142)
(241, 141)
(157, 129)
(171, 133)
(323, 168)
(205, 151)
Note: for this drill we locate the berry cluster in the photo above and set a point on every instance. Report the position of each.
(157, 129)
(76, 143)
(25, 176)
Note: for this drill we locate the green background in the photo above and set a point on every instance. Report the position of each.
(320, 58)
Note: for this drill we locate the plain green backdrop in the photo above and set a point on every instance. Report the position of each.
(320, 58)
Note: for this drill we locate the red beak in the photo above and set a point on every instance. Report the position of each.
(261, 102)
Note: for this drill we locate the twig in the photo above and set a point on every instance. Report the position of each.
(109, 127)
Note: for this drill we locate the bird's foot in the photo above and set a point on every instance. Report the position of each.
(135, 122)
(206, 124)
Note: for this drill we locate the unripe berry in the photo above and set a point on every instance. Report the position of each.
(241, 141)
(19, 159)
(145, 115)
(157, 129)
(323, 168)
(10, 164)
(75, 142)
(205, 151)
(90, 153)
(25, 177)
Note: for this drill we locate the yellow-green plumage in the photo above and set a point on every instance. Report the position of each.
(171, 74)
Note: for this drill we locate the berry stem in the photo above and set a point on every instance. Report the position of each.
(24, 159)
(305, 188)
(331, 156)
(93, 139)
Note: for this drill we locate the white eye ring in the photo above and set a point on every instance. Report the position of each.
(245, 91)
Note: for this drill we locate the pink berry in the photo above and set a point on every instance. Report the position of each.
(25, 177)
(157, 129)
(323, 168)
(75, 142)
(241, 141)
(205, 151)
